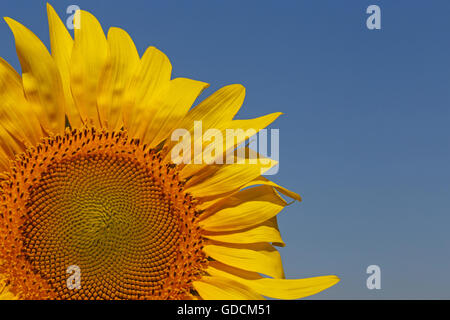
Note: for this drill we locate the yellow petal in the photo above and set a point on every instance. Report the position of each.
(170, 107)
(88, 58)
(210, 204)
(155, 70)
(217, 109)
(116, 78)
(5, 292)
(214, 112)
(62, 43)
(7, 295)
(243, 130)
(264, 232)
(41, 79)
(4, 162)
(216, 288)
(259, 257)
(153, 77)
(221, 179)
(264, 181)
(274, 288)
(248, 126)
(245, 209)
(9, 143)
(16, 114)
(9, 147)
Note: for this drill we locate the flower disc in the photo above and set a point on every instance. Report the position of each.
(109, 207)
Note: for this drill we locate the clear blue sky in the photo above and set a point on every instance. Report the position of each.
(365, 135)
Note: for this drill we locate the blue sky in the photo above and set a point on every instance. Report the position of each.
(365, 135)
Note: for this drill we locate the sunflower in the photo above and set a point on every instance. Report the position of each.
(87, 179)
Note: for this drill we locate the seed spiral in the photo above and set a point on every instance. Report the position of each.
(108, 205)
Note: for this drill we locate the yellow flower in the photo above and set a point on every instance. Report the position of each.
(87, 180)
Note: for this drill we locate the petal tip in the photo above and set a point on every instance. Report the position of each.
(9, 21)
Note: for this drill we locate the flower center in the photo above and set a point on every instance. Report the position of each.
(96, 210)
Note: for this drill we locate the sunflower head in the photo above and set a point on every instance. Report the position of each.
(87, 179)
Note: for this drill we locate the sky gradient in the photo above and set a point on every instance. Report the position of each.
(365, 134)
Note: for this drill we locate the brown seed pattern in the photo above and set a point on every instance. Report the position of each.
(105, 203)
